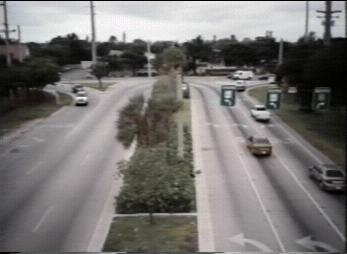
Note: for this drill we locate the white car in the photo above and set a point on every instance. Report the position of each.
(243, 75)
(81, 98)
(240, 85)
(259, 113)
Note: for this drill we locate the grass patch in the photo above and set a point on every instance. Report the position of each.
(325, 130)
(136, 234)
(24, 113)
(96, 86)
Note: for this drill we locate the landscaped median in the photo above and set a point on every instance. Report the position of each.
(154, 209)
(324, 130)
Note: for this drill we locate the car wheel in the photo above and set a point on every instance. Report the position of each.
(321, 185)
(310, 174)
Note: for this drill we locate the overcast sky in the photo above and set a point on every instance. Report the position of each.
(178, 21)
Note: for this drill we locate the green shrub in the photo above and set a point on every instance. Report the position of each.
(151, 184)
(129, 117)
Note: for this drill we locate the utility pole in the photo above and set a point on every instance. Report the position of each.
(328, 21)
(307, 20)
(149, 58)
(346, 19)
(92, 14)
(7, 38)
(280, 53)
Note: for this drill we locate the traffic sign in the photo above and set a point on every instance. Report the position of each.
(292, 89)
(228, 95)
(273, 98)
(321, 98)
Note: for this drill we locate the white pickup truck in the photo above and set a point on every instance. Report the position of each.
(259, 113)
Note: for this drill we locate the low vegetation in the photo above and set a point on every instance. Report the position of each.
(43, 106)
(136, 234)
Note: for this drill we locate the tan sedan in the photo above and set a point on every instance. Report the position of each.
(259, 145)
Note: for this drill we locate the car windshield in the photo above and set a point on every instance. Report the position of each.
(259, 108)
(334, 173)
(263, 141)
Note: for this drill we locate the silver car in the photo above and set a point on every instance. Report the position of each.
(328, 176)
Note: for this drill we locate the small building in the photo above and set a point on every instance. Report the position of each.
(115, 53)
(17, 51)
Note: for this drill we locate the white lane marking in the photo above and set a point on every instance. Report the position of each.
(24, 146)
(58, 126)
(308, 243)
(239, 125)
(241, 240)
(35, 168)
(308, 194)
(38, 140)
(43, 218)
(85, 159)
(261, 202)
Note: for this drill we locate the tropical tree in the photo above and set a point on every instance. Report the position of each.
(100, 70)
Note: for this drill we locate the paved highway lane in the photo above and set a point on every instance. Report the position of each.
(55, 179)
(263, 204)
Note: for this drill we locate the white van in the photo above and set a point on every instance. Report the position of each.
(244, 75)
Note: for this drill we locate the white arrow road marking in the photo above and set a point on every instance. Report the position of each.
(308, 243)
(48, 211)
(38, 140)
(241, 240)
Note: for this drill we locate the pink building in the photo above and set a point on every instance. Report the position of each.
(17, 51)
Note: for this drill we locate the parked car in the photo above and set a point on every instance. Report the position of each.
(259, 113)
(259, 145)
(186, 90)
(328, 176)
(77, 88)
(81, 98)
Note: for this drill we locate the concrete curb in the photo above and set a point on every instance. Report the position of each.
(103, 226)
(156, 214)
(205, 234)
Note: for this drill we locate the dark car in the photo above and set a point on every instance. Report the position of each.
(259, 145)
(186, 90)
(328, 176)
(77, 88)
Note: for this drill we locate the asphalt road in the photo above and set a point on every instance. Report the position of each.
(55, 178)
(260, 204)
